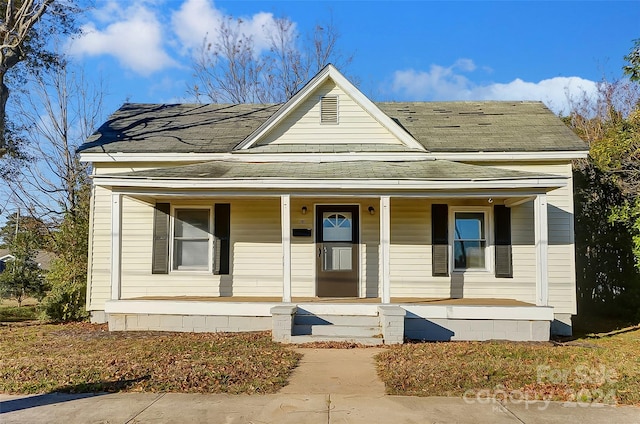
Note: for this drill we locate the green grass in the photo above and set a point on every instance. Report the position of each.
(83, 357)
(604, 369)
(18, 313)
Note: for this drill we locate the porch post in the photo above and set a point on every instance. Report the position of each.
(285, 214)
(385, 240)
(116, 244)
(542, 249)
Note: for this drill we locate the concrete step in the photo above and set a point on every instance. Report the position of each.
(345, 330)
(367, 341)
(359, 320)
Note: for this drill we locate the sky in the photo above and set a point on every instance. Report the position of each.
(402, 51)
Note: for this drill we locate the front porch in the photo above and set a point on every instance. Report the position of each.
(359, 320)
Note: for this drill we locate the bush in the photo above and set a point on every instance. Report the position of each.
(65, 302)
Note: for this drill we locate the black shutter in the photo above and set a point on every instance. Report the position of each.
(440, 240)
(222, 231)
(504, 263)
(160, 256)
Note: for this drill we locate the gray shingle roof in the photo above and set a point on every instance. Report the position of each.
(430, 170)
(484, 126)
(179, 128)
(438, 126)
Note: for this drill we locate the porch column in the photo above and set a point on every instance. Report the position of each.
(285, 215)
(385, 240)
(116, 244)
(542, 249)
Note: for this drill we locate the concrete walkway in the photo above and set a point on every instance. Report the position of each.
(330, 386)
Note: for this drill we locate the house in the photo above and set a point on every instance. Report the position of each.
(334, 217)
(43, 258)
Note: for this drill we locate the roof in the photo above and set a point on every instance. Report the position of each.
(484, 126)
(487, 126)
(432, 170)
(43, 258)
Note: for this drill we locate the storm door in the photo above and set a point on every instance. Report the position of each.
(337, 256)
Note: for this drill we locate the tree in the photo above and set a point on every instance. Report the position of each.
(25, 26)
(22, 276)
(633, 68)
(607, 187)
(61, 113)
(17, 222)
(230, 69)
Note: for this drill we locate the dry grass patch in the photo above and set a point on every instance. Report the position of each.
(605, 369)
(88, 358)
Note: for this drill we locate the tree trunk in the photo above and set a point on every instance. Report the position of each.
(4, 97)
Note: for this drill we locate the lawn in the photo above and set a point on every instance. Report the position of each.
(590, 369)
(86, 358)
(11, 312)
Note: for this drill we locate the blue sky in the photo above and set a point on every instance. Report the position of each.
(415, 50)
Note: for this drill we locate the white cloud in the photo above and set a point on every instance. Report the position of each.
(197, 19)
(449, 83)
(133, 35)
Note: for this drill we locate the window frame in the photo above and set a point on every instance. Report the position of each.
(210, 237)
(488, 231)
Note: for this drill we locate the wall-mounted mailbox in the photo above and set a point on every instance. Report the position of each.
(301, 232)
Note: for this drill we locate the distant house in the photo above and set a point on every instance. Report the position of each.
(331, 217)
(43, 259)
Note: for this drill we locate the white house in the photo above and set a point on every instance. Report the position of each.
(334, 217)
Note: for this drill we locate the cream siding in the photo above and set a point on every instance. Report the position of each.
(355, 125)
(99, 277)
(256, 249)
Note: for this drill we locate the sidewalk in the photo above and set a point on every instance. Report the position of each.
(330, 386)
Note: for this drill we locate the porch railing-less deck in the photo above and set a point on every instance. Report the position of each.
(364, 320)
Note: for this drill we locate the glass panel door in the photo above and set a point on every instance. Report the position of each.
(337, 248)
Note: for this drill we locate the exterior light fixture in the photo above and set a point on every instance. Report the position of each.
(490, 200)
(304, 210)
(371, 210)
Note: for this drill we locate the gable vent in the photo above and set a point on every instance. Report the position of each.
(329, 110)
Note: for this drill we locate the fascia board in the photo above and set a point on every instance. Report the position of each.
(324, 157)
(538, 183)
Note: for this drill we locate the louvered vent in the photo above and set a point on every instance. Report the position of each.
(329, 110)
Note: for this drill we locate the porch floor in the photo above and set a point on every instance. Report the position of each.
(351, 300)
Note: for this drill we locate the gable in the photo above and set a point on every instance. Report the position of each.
(304, 125)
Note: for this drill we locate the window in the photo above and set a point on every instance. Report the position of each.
(470, 241)
(192, 239)
(329, 110)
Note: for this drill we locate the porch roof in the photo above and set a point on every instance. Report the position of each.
(426, 170)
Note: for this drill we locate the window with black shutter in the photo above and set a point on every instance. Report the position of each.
(440, 240)
(503, 256)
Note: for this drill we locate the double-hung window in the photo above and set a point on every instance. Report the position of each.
(192, 239)
(470, 241)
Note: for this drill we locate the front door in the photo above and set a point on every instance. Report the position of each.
(337, 251)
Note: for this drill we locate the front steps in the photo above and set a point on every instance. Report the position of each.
(338, 323)
(309, 328)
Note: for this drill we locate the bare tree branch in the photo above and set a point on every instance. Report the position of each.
(231, 69)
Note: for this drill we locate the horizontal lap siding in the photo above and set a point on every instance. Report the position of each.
(99, 279)
(355, 124)
(411, 257)
(562, 280)
(410, 251)
(256, 254)
(137, 279)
